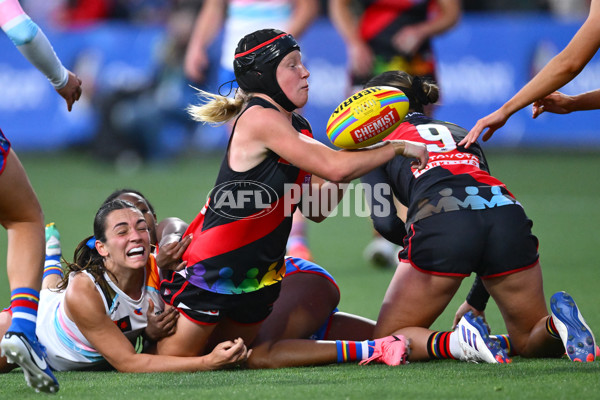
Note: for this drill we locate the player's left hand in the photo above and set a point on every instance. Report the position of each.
(71, 92)
(492, 122)
(408, 40)
(556, 102)
(416, 150)
(465, 308)
(169, 255)
(229, 354)
(161, 325)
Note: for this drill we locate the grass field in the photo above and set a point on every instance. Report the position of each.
(560, 193)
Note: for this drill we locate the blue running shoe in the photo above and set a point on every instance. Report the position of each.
(475, 342)
(31, 357)
(575, 334)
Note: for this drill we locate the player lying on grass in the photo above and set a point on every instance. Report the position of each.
(305, 309)
(462, 220)
(90, 318)
(312, 315)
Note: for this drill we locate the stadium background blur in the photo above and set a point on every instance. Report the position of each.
(129, 53)
(130, 128)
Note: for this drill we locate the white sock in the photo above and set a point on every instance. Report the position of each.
(455, 348)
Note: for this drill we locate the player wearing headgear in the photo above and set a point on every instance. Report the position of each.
(235, 260)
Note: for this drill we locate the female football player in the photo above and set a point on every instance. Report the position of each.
(93, 316)
(462, 220)
(235, 261)
(305, 311)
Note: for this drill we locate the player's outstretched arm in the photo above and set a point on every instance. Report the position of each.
(560, 103)
(560, 70)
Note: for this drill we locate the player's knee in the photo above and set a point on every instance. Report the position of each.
(259, 359)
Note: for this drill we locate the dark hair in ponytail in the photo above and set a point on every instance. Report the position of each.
(419, 91)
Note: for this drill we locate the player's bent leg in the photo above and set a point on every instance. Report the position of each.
(348, 326)
(412, 303)
(305, 303)
(190, 339)
(21, 215)
(520, 298)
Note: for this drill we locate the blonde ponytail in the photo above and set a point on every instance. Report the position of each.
(215, 109)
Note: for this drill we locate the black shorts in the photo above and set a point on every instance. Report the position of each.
(490, 242)
(205, 307)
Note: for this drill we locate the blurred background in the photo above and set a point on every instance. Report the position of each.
(130, 128)
(129, 54)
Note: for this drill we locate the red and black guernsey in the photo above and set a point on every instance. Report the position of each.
(240, 235)
(454, 178)
(382, 19)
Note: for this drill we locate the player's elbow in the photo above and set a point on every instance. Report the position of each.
(129, 365)
(23, 32)
(337, 173)
(126, 368)
(574, 66)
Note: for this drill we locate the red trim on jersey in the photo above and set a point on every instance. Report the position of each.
(378, 16)
(305, 132)
(408, 131)
(221, 241)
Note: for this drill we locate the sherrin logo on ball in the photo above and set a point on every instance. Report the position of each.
(367, 117)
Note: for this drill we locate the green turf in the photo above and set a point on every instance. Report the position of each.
(559, 192)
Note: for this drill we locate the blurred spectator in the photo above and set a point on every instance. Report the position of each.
(75, 12)
(236, 18)
(383, 36)
(569, 8)
(506, 5)
(388, 35)
(78, 12)
(42, 11)
(149, 122)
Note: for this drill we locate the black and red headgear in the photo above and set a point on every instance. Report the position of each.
(256, 59)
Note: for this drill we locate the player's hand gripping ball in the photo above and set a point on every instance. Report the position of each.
(366, 117)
